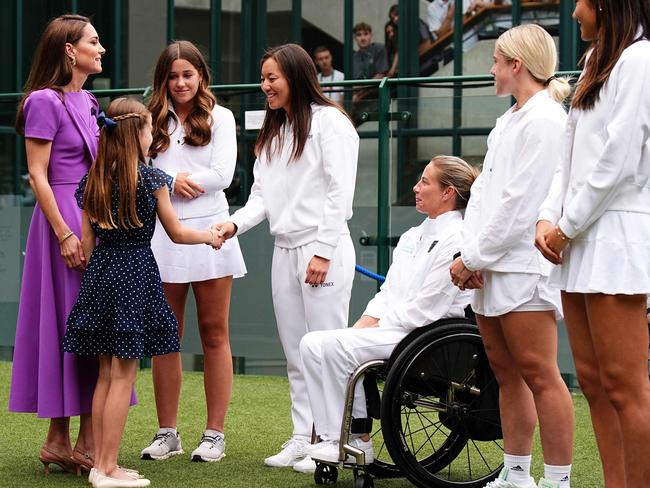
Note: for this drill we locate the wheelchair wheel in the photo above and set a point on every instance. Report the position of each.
(440, 411)
(325, 474)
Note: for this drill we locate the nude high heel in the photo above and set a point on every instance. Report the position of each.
(47, 457)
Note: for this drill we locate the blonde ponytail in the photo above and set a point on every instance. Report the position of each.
(535, 48)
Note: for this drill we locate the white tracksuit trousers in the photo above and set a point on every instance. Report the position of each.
(301, 308)
(329, 358)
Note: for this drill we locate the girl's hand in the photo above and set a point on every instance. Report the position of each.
(185, 187)
(216, 241)
(317, 270)
(543, 232)
(73, 254)
(459, 273)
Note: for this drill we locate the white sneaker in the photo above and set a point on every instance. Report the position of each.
(544, 483)
(502, 481)
(165, 444)
(211, 448)
(328, 451)
(292, 451)
(307, 465)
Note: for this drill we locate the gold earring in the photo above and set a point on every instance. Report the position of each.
(73, 61)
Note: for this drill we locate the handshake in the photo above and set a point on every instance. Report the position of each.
(220, 233)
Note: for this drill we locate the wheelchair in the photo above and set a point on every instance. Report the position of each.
(437, 401)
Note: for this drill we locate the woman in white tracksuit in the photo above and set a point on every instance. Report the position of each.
(595, 224)
(305, 174)
(514, 305)
(417, 292)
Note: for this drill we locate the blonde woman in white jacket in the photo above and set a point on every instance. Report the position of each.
(305, 174)
(515, 308)
(595, 224)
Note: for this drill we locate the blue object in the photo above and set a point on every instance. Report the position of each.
(104, 121)
(369, 274)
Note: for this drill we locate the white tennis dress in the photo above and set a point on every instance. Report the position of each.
(600, 195)
(211, 166)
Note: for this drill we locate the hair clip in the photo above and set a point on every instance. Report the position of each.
(107, 122)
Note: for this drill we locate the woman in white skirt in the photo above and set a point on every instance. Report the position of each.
(304, 174)
(194, 141)
(595, 223)
(516, 309)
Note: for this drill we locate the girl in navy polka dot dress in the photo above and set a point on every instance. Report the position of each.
(121, 314)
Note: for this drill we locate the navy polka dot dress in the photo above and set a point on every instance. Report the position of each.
(121, 310)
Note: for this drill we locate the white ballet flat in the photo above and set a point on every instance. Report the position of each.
(103, 481)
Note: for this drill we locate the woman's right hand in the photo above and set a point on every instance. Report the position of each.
(73, 254)
(185, 187)
(542, 228)
(224, 230)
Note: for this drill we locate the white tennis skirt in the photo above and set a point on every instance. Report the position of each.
(515, 292)
(612, 256)
(181, 263)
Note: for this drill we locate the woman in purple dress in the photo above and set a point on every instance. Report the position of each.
(58, 121)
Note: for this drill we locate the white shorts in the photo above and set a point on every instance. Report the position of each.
(515, 292)
(181, 263)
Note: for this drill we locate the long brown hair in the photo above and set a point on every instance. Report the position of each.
(617, 22)
(117, 162)
(304, 89)
(51, 67)
(197, 125)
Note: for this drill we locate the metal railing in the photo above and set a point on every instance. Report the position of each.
(383, 116)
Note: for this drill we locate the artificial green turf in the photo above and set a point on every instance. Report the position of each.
(257, 424)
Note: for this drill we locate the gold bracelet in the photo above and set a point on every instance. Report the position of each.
(65, 236)
(211, 237)
(561, 234)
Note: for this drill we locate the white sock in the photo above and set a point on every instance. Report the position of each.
(164, 430)
(518, 468)
(561, 474)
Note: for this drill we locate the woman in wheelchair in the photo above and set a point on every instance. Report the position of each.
(416, 292)
(514, 306)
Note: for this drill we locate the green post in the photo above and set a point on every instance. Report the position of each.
(383, 172)
(568, 41)
(296, 21)
(18, 142)
(516, 12)
(74, 6)
(458, 70)
(348, 48)
(118, 46)
(171, 21)
(215, 40)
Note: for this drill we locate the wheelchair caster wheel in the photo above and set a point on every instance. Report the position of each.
(363, 481)
(325, 474)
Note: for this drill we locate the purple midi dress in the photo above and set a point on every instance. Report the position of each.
(44, 379)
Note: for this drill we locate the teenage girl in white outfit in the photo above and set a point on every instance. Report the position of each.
(195, 143)
(515, 308)
(595, 223)
(305, 173)
(417, 292)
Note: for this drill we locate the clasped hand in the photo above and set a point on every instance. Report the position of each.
(222, 232)
(549, 243)
(464, 278)
(185, 187)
